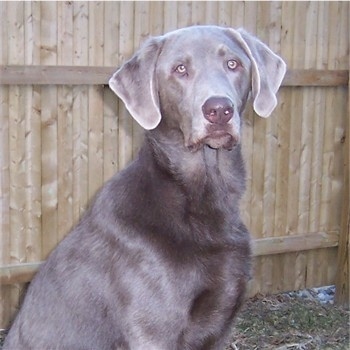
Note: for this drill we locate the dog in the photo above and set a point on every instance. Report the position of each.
(161, 258)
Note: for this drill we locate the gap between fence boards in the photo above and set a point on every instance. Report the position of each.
(22, 273)
(91, 75)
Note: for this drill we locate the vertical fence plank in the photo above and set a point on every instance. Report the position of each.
(198, 12)
(329, 155)
(33, 141)
(156, 21)
(337, 51)
(141, 33)
(33, 174)
(272, 21)
(170, 16)
(318, 123)
(17, 170)
(224, 13)
(95, 153)
(250, 23)
(272, 150)
(65, 121)
(257, 170)
(338, 95)
(16, 138)
(295, 150)
(184, 15)
(305, 135)
(314, 269)
(80, 111)
(126, 48)
(250, 16)
(237, 14)
(110, 139)
(308, 138)
(48, 56)
(283, 156)
(263, 174)
(211, 12)
(342, 281)
(5, 238)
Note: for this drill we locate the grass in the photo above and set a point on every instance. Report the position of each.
(282, 322)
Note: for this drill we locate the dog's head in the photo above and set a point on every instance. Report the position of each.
(197, 80)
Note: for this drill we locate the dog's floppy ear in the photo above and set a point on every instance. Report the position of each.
(268, 71)
(135, 83)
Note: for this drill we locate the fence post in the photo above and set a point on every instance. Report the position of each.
(342, 278)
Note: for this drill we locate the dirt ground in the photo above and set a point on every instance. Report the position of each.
(282, 322)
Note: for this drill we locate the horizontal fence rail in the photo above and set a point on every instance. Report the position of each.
(22, 273)
(295, 243)
(91, 75)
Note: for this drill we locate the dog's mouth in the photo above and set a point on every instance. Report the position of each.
(221, 139)
(221, 136)
(216, 139)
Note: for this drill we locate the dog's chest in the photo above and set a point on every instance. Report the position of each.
(210, 293)
(208, 282)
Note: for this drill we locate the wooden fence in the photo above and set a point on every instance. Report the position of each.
(63, 132)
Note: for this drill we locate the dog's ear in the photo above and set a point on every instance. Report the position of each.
(135, 83)
(268, 71)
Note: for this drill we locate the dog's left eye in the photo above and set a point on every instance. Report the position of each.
(232, 64)
(181, 69)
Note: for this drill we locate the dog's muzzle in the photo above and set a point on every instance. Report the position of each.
(220, 132)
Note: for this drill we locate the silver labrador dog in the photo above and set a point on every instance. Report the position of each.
(161, 258)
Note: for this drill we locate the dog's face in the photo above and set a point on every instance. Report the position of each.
(203, 82)
(197, 80)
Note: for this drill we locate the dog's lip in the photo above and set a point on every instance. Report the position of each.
(221, 136)
(218, 134)
(219, 140)
(216, 137)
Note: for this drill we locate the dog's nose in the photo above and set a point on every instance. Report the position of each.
(218, 110)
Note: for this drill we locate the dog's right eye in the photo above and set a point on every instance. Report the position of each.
(232, 64)
(181, 69)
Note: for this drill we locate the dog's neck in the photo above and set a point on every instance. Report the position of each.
(200, 190)
(219, 169)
